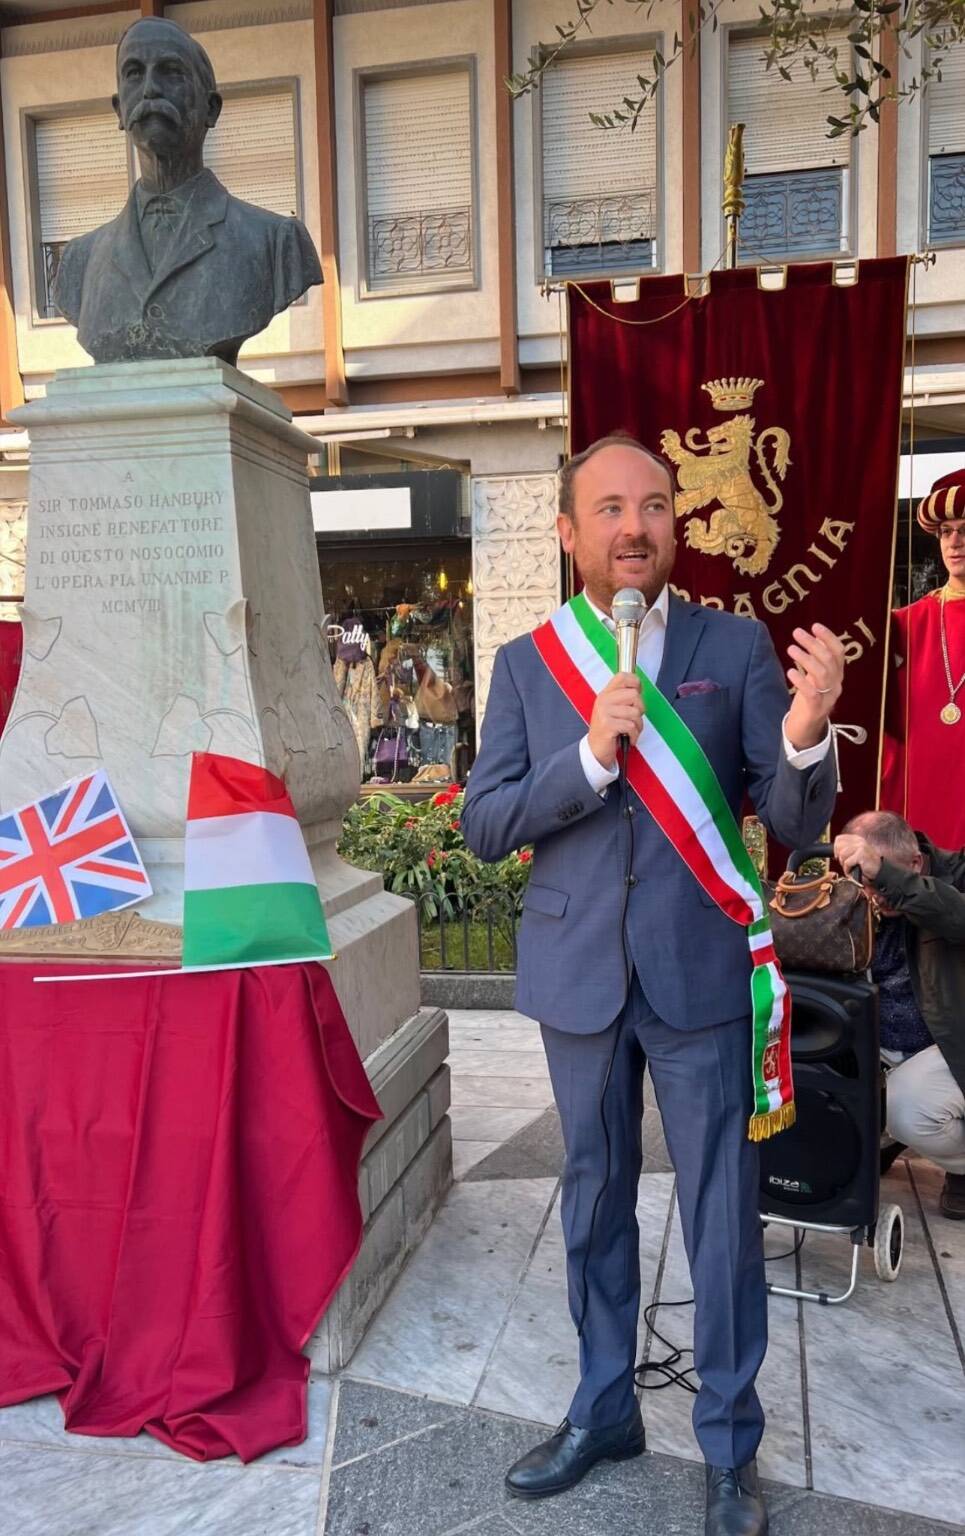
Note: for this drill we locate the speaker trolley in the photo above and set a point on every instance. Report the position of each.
(823, 1174)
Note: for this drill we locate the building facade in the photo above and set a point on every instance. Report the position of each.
(447, 216)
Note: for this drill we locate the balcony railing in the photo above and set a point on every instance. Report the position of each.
(794, 213)
(432, 242)
(946, 199)
(52, 251)
(615, 232)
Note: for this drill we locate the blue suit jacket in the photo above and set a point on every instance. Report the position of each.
(528, 786)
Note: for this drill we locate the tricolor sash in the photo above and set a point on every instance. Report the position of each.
(671, 775)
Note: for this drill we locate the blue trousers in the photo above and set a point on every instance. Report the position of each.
(702, 1080)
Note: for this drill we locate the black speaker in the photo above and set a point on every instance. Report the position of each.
(826, 1167)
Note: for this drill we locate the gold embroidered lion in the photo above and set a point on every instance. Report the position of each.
(744, 526)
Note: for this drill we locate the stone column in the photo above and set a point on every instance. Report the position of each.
(515, 564)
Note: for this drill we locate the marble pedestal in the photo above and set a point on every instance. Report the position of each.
(173, 604)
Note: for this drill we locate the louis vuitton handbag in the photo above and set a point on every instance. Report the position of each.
(820, 922)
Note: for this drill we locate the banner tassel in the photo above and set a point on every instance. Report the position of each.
(761, 1127)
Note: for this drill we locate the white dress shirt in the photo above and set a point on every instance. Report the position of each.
(650, 647)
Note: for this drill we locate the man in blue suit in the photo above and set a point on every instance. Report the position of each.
(673, 987)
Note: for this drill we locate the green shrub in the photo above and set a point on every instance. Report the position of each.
(420, 852)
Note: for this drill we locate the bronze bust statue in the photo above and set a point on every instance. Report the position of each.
(185, 270)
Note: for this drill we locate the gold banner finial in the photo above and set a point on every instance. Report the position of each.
(733, 204)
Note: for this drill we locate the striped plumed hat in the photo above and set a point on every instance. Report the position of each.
(945, 502)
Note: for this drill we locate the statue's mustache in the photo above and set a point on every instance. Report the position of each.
(156, 106)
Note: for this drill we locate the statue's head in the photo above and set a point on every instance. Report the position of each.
(166, 94)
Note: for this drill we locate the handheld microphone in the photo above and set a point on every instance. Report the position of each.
(628, 610)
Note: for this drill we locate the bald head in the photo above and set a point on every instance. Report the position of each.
(889, 834)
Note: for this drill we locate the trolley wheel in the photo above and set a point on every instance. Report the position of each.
(889, 1242)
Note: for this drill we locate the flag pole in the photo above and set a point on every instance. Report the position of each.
(733, 203)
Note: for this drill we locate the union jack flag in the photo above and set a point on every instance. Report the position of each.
(68, 856)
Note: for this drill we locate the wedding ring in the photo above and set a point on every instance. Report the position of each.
(824, 690)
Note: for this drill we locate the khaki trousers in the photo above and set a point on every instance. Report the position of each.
(926, 1109)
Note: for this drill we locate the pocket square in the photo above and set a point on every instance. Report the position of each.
(705, 685)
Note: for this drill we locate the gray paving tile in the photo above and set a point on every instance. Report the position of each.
(369, 1418)
(40, 1423)
(466, 1154)
(495, 1092)
(812, 1515)
(948, 1237)
(493, 1525)
(472, 1123)
(430, 1484)
(436, 1330)
(499, 1061)
(885, 1384)
(64, 1493)
(535, 1152)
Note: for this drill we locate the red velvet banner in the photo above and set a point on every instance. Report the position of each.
(178, 1197)
(780, 409)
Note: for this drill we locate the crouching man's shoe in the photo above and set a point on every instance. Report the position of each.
(735, 1506)
(951, 1201)
(565, 1458)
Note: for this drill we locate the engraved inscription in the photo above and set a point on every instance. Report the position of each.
(131, 548)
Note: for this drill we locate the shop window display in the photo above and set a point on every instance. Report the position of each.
(401, 631)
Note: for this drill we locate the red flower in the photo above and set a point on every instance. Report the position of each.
(526, 856)
(454, 826)
(431, 859)
(412, 822)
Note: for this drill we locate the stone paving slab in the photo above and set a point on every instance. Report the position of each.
(447, 1479)
(39, 1424)
(70, 1493)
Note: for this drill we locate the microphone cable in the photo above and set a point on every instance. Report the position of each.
(627, 816)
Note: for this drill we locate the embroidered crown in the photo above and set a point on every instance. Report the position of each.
(732, 394)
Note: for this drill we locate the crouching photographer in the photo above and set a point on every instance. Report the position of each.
(919, 968)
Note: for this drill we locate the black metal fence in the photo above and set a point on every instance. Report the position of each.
(481, 941)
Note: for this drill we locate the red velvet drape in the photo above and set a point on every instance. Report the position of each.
(830, 360)
(11, 651)
(178, 1198)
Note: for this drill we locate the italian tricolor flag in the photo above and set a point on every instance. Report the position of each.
(250, 897)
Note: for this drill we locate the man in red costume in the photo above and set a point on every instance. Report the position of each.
(925, 711)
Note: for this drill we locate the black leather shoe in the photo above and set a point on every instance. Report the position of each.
(735, 1506)
(560, 1462)
(951, 1201)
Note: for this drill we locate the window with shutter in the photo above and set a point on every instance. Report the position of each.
(83, 180)
(251, 149)
(945, 107)
(599, 185)
(418, 155)
(797, 179)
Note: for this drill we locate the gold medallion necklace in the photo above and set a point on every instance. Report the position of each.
(951, 714)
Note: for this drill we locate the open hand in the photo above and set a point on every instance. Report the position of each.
(618, 711)
(817, 677)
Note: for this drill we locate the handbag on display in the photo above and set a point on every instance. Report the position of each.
(435, 699)
(391, 753)
(821, 922)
